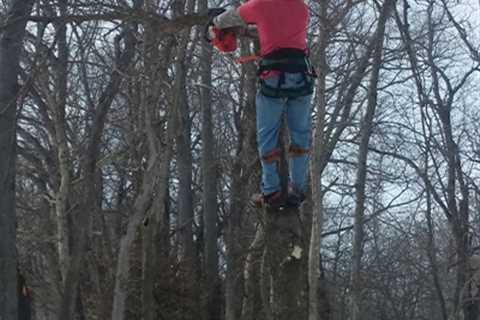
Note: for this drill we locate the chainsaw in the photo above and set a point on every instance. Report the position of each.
(225, 40)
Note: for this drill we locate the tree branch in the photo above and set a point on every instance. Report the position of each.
(166, 25)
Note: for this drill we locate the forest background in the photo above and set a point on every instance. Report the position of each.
(131, 145)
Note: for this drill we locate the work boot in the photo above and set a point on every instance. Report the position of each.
(295, 196)
(272, 200)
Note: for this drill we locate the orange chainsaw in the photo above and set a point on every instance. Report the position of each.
(225, 40)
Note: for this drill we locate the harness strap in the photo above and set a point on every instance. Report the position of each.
(297, 151)
(277, 92)
(272, 156)
(287, 60)
(243, 59)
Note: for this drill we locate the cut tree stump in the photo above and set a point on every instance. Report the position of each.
(284, 255)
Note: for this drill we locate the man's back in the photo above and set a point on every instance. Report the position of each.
(280, 23)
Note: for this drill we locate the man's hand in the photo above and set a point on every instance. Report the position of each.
(250, 31)
(210, 34)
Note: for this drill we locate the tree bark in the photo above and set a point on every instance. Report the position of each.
(242, 297)
(24, 298)
(284, 254)
(148, 104)
(252, 275)
(155, 235)
(209, 176)
(184, 160)
(63, 153)
(11, 40)
(183, 143)
(155, 182)
(148, 206)
(319, 146)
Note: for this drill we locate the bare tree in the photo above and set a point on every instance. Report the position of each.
(183, 143)
(64, 160)
(242, 256)
(89, 167)
(209, 176)
(438, 97)
(11, 40)
(360, 182)
(326, 136)
(127, 117)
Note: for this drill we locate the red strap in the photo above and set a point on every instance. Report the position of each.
(244, 59)
(297, 151)
(272, 156)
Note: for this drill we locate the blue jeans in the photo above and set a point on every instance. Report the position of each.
(269, 118)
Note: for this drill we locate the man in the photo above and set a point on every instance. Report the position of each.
(286, 86)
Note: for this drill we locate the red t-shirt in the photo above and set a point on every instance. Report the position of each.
(280, 23)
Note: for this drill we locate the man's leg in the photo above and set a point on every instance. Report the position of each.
(269, 118)
(299, 119)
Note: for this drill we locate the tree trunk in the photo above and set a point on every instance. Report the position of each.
(63, 154)
(149, 104)
(252, 275)
(283, 258)
(155, 235)
(24, 298)
(155, 182)
(242, 297)
(11, 40)
(89, 166)
(184, 159)
(209, 176)
(319, 146)
(325, 139)
(431, 248)
(432, 256)
(360, 183)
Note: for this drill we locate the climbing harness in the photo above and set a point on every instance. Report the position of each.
(290, 60)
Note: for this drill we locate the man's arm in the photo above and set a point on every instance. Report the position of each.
(228, 19)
